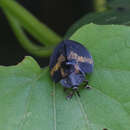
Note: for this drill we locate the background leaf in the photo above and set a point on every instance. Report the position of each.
(29, 100)
(118, 3)
(118, 13)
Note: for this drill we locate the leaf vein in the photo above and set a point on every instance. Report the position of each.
(21, 124)
(54, 105)
(84, 113)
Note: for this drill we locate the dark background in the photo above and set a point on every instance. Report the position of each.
(57, 14)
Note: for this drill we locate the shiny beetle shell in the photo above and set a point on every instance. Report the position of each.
(69, 64)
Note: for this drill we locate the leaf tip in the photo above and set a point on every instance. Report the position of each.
(28, 60)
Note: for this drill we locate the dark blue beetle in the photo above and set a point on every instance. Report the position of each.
(69, 64)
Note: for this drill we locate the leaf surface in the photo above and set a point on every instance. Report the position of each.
(29, 100)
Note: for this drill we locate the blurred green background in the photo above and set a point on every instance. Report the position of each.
(59, 15)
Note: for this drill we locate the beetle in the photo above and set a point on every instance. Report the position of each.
(69, 64)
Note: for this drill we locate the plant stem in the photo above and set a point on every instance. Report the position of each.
(25, 42)
(100, 5)
(40, 31)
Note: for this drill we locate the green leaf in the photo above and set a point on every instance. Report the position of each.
(108, 103)
(118, 3)
(29, 100)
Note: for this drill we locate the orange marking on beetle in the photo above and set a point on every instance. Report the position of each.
(76, 66)
(63, 73)
(78, 58)
(58, 64)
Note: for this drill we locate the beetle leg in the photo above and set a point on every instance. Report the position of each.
(86, 81)
(70, 95)
(78, 93)
(65, 89)
(75, 90)
(87, 86)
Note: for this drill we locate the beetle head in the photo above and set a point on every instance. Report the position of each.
(73, 80)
